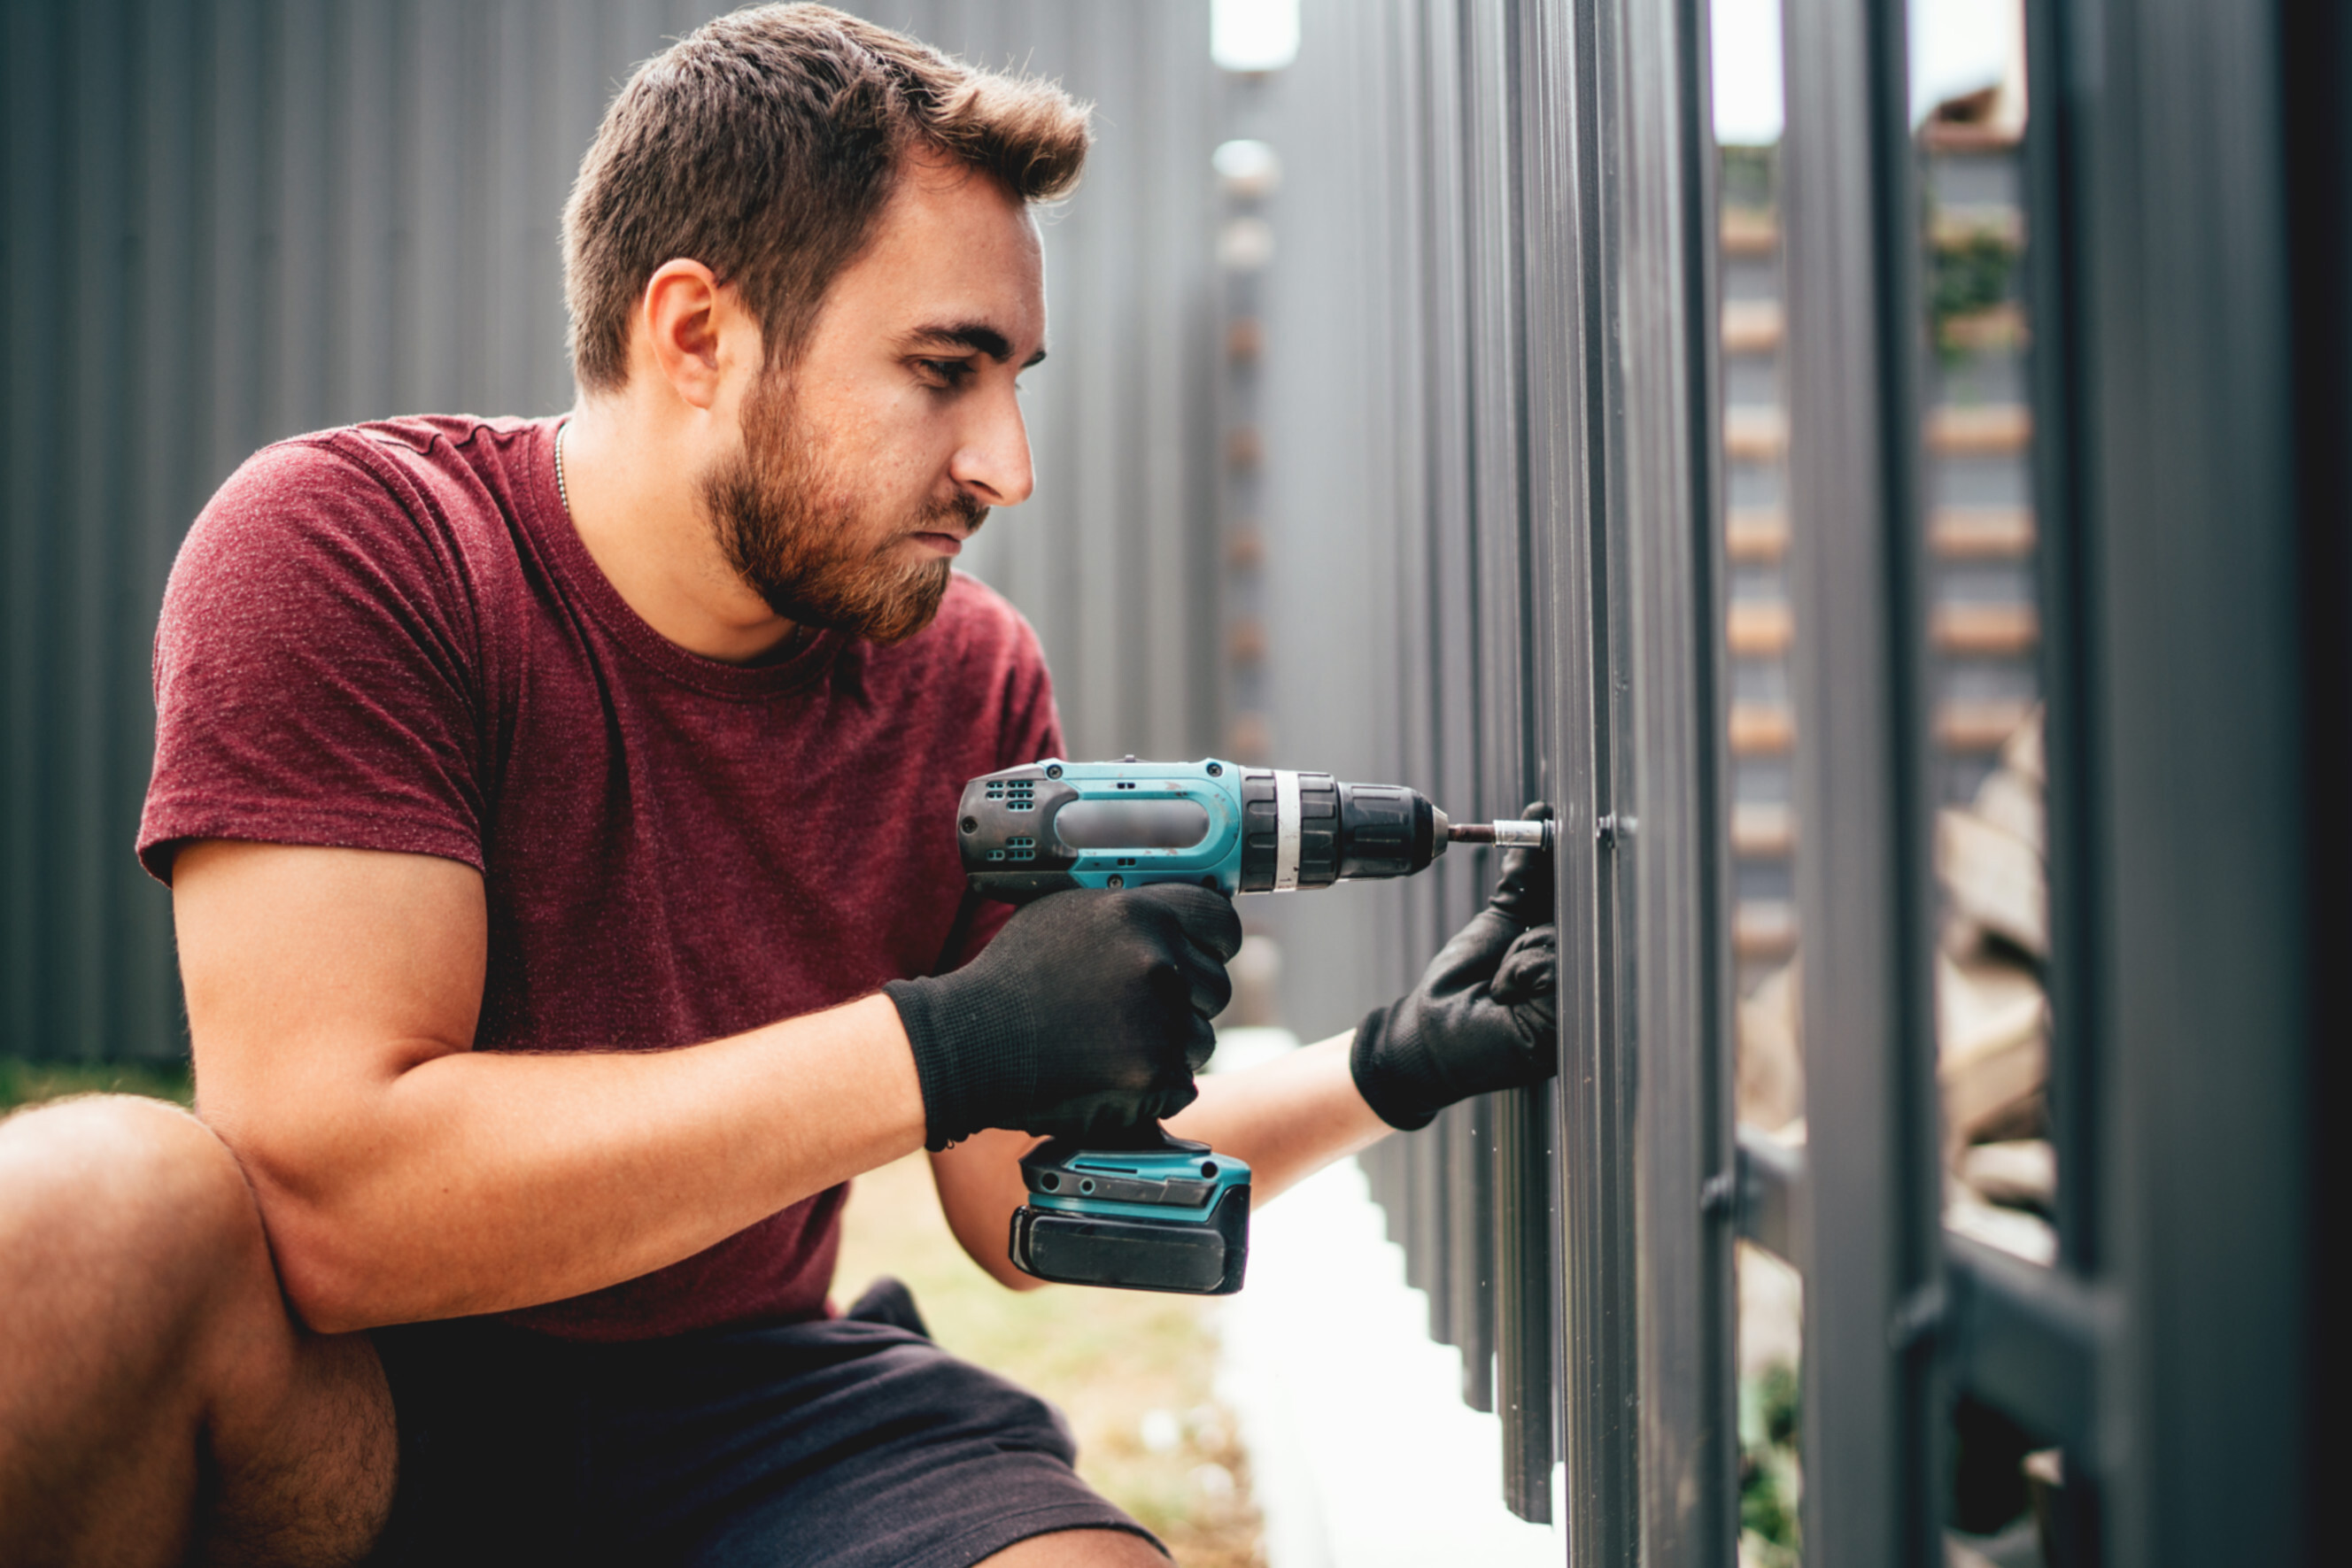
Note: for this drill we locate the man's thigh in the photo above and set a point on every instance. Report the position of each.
(849, 1444)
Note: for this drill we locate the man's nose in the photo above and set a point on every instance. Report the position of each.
(991, 462)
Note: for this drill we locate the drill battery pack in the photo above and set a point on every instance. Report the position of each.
(1172, 1216)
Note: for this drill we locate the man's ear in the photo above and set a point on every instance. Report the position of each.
(685, 316)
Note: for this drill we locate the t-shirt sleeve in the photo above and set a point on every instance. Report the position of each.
(1029, 728)
(316, 670)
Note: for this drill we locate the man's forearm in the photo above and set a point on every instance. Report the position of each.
(1287, 1118)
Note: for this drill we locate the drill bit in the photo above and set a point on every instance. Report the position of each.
(1506, 834)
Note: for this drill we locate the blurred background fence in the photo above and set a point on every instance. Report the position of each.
(225, 222)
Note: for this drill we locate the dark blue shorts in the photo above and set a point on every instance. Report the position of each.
(852, 1443)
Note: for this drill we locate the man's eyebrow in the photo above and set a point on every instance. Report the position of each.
(978, 335)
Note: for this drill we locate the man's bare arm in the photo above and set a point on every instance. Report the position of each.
(1287, 1119)
(333, 999)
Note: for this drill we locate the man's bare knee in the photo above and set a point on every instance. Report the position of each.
(146, 1328)
(121, 1223)
(130, 1208)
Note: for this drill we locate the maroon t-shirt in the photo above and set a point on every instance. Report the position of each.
(390, 637)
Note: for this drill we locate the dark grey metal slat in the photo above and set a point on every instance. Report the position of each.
(1525, 1274)
(1576, 460)
(1671, 831)
(1523, 1300)
(1562, 520)
(2053, 175)
(2315, 47)
(1872, 1196)
(2212, 1002)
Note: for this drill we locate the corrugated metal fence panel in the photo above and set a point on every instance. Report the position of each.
(1505, 205)
(1412, 556)
(228, 223)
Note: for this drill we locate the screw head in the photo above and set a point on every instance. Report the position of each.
(1216, 770)
(1054, 771)
(1117, 880)
(971, 824)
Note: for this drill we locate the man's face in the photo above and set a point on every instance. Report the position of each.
(868, 462)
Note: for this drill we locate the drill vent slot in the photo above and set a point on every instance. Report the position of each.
(1020, 848)
(1018, 794)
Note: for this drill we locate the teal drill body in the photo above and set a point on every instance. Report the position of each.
(1027, 832)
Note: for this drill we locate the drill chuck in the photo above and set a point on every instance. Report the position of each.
(1310, 830)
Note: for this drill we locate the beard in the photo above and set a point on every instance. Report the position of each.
(790, 525)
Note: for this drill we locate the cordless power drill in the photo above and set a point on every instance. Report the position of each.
(1162, 1213)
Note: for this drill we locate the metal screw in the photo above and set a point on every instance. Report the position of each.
(1721, 1195)
(1920, 1316)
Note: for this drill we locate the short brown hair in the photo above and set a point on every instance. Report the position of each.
(764, 144)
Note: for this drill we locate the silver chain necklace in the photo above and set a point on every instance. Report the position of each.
(561, 494)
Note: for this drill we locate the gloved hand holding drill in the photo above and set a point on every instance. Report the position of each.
(1088, 1014)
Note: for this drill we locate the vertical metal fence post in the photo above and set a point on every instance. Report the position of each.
(1578, 461)
(1872, 1298)
(2316, 58)
(2213, 990)
(1673, 830)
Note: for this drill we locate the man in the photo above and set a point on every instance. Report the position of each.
(558, 817)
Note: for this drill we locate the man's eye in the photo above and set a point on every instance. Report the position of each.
(948, 372)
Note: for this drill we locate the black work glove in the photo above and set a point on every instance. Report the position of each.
(1485, 1015)
(1087, 1016)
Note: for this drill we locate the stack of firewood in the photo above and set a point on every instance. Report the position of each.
(1993, 1014)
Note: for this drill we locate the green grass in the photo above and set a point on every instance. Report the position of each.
(1769, 1480)
(30, 1082)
